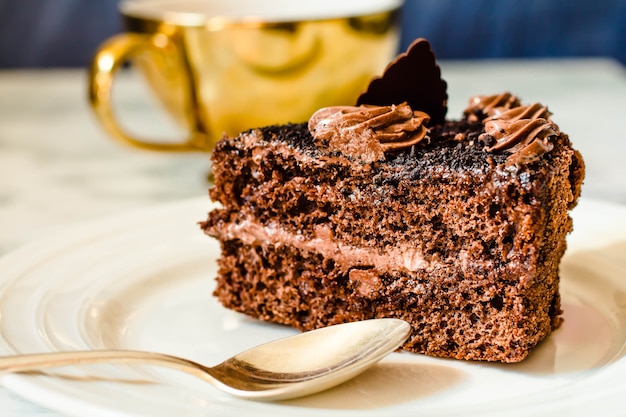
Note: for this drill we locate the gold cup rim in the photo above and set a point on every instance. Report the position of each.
(194, 13)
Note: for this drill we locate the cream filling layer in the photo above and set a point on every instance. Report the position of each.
(251, 232)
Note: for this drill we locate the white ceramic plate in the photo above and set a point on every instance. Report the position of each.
(144, 281)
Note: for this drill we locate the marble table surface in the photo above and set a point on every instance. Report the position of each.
(57, 166)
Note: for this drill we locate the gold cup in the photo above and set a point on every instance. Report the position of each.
(224, 66)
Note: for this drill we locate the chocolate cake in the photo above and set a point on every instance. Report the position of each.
(387, 209)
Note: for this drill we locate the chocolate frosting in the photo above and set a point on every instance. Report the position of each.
(533, 111)
(526, 139)
(525, 131)
(479, 106)
(367, 132)
(413, 77)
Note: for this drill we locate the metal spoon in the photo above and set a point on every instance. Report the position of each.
(291, 367)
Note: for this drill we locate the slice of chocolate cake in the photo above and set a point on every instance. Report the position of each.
(387, 210)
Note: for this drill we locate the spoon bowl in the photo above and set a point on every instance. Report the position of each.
(286, 368)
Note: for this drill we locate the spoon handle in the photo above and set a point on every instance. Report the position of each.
(38, 361)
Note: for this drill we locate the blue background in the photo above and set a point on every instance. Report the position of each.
(65, 33)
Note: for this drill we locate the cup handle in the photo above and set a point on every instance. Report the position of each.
(109, 58)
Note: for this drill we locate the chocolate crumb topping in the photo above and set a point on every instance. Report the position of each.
(413, 77)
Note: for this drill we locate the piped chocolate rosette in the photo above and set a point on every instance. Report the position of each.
(525, 131)
(367, 132)
(486, 105)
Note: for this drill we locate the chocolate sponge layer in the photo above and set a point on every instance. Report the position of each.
(445, 236)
